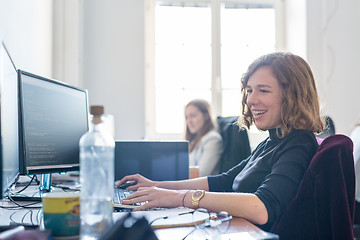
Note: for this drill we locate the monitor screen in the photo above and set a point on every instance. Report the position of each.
(53, 118)
(9, 147)
(156, 160)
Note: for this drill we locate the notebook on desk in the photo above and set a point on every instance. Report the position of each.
(156, 160)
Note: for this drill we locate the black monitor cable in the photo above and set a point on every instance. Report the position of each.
(27, 185)
(65, 188)
(29, 205)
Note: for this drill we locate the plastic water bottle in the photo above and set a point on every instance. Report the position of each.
(97, 150)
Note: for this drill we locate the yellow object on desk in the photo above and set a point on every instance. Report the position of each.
(174, 225)
(62, 213)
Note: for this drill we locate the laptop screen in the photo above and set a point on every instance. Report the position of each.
(156, 160)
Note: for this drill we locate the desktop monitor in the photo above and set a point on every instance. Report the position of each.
(53, 118)
(9, 142)
(156, 160)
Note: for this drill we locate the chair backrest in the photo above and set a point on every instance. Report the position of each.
(329, 128)
(323, 207)
(236, 143)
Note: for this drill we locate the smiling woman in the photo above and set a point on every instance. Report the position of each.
(279, 96)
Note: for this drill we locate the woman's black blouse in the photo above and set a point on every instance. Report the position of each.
(272, 172)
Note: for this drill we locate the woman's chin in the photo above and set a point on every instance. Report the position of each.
(261, 128)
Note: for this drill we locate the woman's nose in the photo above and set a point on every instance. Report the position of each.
(252, 99)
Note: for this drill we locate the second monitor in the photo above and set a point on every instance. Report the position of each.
(53, 117)
(156, 160)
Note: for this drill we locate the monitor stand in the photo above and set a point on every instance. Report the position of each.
(44, 187)
(45, 183)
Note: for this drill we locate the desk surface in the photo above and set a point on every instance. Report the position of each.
(237, 225)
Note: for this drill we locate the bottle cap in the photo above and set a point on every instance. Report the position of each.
(97, 110)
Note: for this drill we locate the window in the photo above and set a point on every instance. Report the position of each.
(200, 49)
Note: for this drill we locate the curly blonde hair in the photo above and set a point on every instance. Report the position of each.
(300, 108)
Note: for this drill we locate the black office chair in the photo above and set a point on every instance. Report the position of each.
(236, 143)
(329, 128)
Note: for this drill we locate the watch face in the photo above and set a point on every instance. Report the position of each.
(197, 194)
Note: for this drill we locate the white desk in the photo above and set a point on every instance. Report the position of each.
(34, 216)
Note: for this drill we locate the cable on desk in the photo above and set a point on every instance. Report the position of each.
(66, 189)
(29, 205)
(21, 197)
(193, 230)
(24, 198)
(22, 219)
(39, 217)
(27, 185)
(11, 218)
(31, 225)
(19, 206)
(169, 216)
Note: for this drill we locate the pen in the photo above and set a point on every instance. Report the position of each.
(190, 224)
(175, 225)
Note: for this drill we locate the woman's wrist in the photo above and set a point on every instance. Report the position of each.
(157, 184)
(183, 199)
(166, 184)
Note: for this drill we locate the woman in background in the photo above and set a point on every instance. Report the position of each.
(205, 142)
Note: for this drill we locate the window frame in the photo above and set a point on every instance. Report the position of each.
(216, 90)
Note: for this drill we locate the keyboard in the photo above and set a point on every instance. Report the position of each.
(119, 194)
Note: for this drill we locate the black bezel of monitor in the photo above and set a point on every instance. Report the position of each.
(43, 169)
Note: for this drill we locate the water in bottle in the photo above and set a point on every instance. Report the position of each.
(97, 148)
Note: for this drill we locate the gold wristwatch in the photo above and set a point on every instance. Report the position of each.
(196, 196)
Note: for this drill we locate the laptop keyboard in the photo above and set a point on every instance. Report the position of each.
(119, 194)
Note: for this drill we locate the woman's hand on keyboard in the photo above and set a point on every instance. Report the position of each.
(137, 181)
(154, 197)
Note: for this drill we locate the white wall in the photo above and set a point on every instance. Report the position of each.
(333, 51)
(110, 63)
(113, 62)
(295, 27)
(67, 41)
(25, 27)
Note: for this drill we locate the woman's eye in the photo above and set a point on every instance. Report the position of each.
(264, 91)
(248, 91)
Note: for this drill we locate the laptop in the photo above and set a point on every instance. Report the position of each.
(156, 160)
